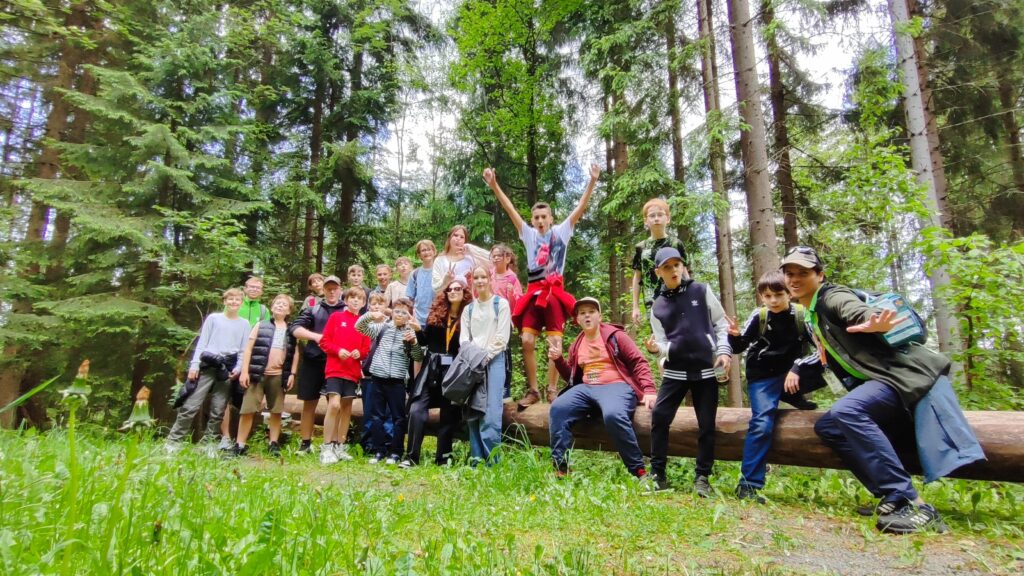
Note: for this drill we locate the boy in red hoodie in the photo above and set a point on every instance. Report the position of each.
(345, 347)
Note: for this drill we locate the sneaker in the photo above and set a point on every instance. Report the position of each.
(375, 459)
(226, 444)
(328, 455)
(911, 518)
(701, 486)
(651, 483)
(800, 402)
(172, 448)
(391, 460)
(341, 451)
(406, 463)
(880, 509)
(531, 398)
(306, 447)
(237, 451)
(747, 492)
(274, 449)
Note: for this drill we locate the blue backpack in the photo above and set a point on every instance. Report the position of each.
(910, 328)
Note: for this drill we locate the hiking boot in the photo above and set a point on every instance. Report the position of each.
(327, 455)
(341, 451)
(747, 492)
(305, 448)
(883, 508)
(274, 449)
(552, 395)
(800, 402)
(406, 463)
(911, 518)
(531, 398)
(701, 486)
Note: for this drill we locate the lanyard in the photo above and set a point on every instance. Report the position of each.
(453, 325)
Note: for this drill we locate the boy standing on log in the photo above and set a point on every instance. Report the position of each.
(606, 371)
(656, 216)
(691, 332)
(894, 393)
(777, 335)
(545, 305)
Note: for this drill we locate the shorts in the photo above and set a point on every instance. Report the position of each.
(550, 319)
(340, 386)
(311, 378)
(270, 388)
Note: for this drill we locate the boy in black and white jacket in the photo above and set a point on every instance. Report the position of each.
(690, 331)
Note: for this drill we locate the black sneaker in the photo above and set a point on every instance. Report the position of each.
(702, 487)
(274, 449)
(883, 508)
(306, 447)
(800, 402)
(911, 518)
(747, 492)
(651, 483)
(236, 451)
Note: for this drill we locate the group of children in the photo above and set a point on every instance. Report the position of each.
(398, 341)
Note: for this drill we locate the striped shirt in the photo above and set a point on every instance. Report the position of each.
(391, 358)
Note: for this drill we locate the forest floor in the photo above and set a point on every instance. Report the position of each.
(87, 502)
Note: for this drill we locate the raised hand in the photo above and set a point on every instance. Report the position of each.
(490, 176)
(880, 322)
(595, 171)
(651, 345)
(734, 328)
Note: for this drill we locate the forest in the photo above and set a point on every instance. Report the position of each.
(155, 153)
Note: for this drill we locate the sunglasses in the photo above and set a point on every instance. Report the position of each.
(454, 289)
(802, 250)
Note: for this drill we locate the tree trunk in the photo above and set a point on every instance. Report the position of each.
(723, 228)
(1012, 203)
(780, 129)
(921, 160)
(349, 181)
(760, 213)
(675, 117)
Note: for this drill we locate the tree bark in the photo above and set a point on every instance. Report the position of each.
(723, 228)
(1012, 203)
(921, 160)
(753, 143)
(780, 130)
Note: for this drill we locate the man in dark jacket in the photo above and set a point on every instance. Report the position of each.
(884, 382)
(309, 326)
(606, 372)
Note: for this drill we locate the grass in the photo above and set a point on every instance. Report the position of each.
(119, 505)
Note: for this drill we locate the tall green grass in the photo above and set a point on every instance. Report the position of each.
(135, 510)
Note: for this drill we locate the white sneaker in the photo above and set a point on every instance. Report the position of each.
(172, 448)
(392, 460)
(341, 452)
(327, 455)
(373, 460)
(225, 444)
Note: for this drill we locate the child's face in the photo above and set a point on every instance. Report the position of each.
(280, 308)
(318, 285)
(403, 268)
(355, 303)
(499, 259)
(233, 302)
(253, 289)
(383, 277)
(454, 292)
(481, 281)
(355, 277)
(400, 316)
(426, 253)
(541, 219)
(657, 219)
(376, 306)
(775, 301)
(671, 273)
(457, 241)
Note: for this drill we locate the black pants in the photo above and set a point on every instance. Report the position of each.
(388, 396)
(451, 418)
(705, 405)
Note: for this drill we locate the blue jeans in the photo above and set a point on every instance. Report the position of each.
(616, 403)
(860, 428)
(372, 421)
(764, 405)
(485, 433)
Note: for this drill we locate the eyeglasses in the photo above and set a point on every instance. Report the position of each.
(454, 289)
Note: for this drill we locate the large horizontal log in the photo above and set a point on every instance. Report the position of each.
(1001, 435)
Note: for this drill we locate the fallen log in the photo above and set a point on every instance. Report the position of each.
(1001, 435)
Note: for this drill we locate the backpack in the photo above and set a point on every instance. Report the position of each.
(495, 299)
(910, 327)
(762, 320)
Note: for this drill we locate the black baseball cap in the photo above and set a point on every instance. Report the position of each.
(665, 254)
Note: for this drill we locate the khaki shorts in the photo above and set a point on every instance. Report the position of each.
(269, 386)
